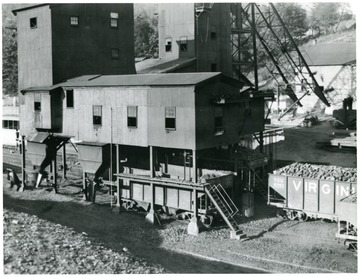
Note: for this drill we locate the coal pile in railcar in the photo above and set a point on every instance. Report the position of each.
(323, 172)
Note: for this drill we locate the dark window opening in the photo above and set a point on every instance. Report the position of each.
(183, 43)
(115, 53)
(5, 124)
(218, 119)
(114, 17)
(37, 106)
(33, 22)
(132, 116)
(213, 67)
(213, 35)
(97, 115)
(170, 118)
(168, 44)
(70, 98)
(74, 20)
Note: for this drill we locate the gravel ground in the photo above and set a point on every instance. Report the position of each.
(36, 246)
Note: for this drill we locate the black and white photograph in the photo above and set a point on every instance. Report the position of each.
(179, 138)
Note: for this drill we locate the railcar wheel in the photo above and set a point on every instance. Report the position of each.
(207, 220)
(292, 215)
(303, 216)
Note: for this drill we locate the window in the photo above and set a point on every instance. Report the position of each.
(10, 124)
(218, 120)
(70, 98)
(37, 102)
(74, 20)
(168, 44)
(115, 53)
(170, 118)
(213, 35)
(132, 116)
(33, 22)
(213, 67)
(114, 17)
(183, 43)
(97, 114)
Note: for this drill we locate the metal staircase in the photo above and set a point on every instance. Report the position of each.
(226, 208)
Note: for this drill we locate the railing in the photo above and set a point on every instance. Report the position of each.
(225, 199)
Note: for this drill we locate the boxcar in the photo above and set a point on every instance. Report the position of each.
(304, 198)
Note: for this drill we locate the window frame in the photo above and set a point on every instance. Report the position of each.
(115, 57)
(96, 124)
(168, 39)
(77, 20)
(112, 18)
(168, 109)
(131, 117)
(67, 91)
(32, 26)
(181, 44)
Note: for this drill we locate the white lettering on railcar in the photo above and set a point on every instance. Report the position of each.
(325, 188)
(297, 186)
(312, 186)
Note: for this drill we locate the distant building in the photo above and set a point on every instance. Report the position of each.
(194, 38)
(61, 41)
(334, 66)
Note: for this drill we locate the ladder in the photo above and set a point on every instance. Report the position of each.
(225, 207)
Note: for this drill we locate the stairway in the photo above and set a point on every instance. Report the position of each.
(226, 208)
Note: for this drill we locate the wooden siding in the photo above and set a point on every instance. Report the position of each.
(238, 119)
(34, 48)
(86, 49)
(176, 20)
(183, 99)
(78, 121)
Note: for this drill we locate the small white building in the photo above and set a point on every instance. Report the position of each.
(10, 120)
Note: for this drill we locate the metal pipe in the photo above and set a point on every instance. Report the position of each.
(64, 161)
(254, 45)
(118, 195)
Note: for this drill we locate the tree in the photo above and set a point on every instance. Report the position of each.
(146, 35)
(10, 69)
(324, 16)
(294, 17)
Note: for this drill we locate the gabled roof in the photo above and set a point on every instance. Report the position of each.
(168, 79)
(337, 53)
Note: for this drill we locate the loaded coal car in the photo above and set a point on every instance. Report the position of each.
(347, 223)
(306, 191)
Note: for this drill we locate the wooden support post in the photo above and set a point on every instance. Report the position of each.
(23, 164)
(118, 180)
(54, 172)
(84, 186)
(150, 217)
(194, 225)
(64, 160)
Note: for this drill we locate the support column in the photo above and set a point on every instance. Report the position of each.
(23, 164)
(117, 207)
(84, 186)
(54, 172)
(195, 224)
(150, 217)
(64, 161)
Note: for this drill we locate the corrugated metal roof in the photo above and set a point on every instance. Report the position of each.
(169, 79)
(162, 66)
(166, 79)
(337, 53)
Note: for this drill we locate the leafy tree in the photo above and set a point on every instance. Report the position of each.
(324, 16)
(146, 35)
(294, 17)
(9, 48)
